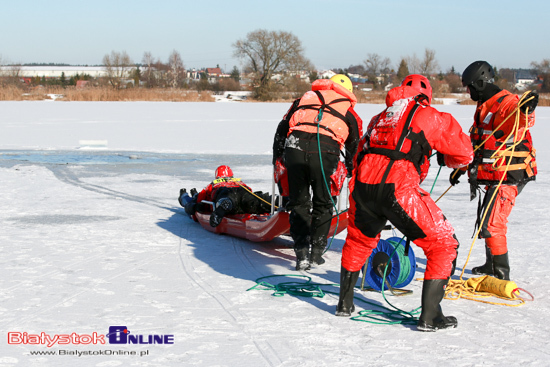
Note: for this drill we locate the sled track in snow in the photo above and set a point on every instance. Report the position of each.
(266, 350)
(64, 174)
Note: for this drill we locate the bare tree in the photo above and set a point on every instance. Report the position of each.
(377, 66)
(118, 66)
(413, 63)
(542, 70)
(148, 62)
(176, 71)
(267, 53)
(429, 64)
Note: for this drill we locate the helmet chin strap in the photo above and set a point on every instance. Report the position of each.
(485, 94)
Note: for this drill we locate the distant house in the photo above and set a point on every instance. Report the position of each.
(214, 72)
(525, 76)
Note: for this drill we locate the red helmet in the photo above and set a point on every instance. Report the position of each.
(420, 83)
(224, 171)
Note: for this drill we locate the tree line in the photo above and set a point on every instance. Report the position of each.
(275, 64)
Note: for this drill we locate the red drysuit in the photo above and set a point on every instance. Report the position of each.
(392, 161)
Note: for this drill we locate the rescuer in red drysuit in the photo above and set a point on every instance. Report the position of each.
(392, 161)
(323, 117)
(230, 196)
(495, 133)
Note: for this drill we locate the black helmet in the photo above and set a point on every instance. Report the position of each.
(477, 75)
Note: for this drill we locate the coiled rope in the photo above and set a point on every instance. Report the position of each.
(307, 288)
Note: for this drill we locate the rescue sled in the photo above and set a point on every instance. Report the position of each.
(263, 227)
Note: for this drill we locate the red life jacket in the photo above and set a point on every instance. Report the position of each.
(324, 108)
(392, 136)
(493, 160)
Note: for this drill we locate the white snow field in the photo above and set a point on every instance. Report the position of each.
(93, 239)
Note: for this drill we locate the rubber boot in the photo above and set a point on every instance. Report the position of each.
(432, 318)
(487, 268)
(501, 266)
(301, 248)
(316, 257)
(347, 284)
(317, 250)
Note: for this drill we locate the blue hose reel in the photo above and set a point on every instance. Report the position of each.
(401, 268)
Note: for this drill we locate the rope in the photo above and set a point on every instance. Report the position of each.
(457, 289)
(309, 289)
(516, 111)
(403, 260)
(318, 120)
(262, 199)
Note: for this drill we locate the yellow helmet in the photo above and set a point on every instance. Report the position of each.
(343, 81)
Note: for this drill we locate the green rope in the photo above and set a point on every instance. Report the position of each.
(309, 289)
(318, 120)
(403, 260)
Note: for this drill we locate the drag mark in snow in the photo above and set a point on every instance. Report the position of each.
(266, 350)
(65, 175)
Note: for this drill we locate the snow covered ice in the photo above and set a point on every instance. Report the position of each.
(96, 238)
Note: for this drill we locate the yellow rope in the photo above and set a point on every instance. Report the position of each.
(262, 199)
(457, 289)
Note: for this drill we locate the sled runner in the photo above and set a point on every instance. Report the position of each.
(262, 227)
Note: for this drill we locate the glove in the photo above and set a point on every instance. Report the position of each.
(441, 159)
(530, 106)
(455, 175)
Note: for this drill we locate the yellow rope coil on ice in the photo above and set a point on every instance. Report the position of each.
(481, 288)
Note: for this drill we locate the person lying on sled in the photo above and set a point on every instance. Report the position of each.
(230, 196)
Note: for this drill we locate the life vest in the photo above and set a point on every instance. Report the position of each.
(392, 136)
(495, 158)
(324, 109)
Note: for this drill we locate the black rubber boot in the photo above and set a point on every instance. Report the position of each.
(432, 318)
(316, 257)
(347, 284)
(487, 268)
(301, 248)
(317, 250)
(501, 266)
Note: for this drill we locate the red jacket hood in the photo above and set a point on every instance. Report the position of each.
(401, 92)
(327, 84)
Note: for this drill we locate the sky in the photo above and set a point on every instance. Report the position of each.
(334, 34)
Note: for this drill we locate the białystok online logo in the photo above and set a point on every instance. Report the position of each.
(116, 335)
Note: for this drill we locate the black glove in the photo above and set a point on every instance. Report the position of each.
(530, 106)
(441, 159)
(455, 175)
(350, 171)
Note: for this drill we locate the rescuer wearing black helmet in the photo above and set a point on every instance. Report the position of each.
(504, 159)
